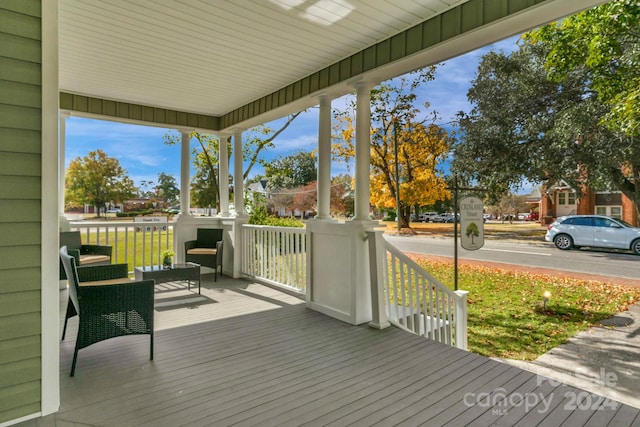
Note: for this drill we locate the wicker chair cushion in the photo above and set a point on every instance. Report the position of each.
(106, 282)
(202, 251)
(93, 259)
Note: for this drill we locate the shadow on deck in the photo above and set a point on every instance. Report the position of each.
(246, 354)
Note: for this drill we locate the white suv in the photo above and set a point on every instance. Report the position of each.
(427, 217)
(598, 231)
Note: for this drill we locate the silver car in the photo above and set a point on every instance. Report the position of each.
(596, 231)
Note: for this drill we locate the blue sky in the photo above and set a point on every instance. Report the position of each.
(143, 154)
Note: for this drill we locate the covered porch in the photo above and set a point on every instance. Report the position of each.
(223, 67)
(243, 353)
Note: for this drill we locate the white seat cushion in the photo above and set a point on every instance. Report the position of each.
(202, 251)
(93, 259)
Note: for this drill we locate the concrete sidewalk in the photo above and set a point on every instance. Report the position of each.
(603, 359)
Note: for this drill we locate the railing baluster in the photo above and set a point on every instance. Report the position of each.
(276, 254)
(425, 306)
(124, 238)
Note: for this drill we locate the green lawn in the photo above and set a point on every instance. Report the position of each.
(507, 317)
(132, 253)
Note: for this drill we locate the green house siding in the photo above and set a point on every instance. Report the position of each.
(142, 113)
(20, 193)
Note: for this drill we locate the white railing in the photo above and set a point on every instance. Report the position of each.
(276, 255)
(409, 297)
(134, 243)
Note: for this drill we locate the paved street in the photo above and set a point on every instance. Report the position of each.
(531, 254)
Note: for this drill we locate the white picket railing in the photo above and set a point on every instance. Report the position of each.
(409, 297)
(134, 243)
(276, 255)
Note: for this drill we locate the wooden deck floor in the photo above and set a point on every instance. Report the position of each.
(248, 355)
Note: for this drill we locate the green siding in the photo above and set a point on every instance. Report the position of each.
(144, 113)
(23, 140)
(21, 348)
(19, 71)
(20, 194)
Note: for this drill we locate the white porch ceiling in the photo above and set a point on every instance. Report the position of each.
(212, 56)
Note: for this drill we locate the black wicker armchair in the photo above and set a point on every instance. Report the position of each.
(84, 254)
(107, 302)
(206, 250)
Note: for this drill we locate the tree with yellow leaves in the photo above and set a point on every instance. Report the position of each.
(405, 148)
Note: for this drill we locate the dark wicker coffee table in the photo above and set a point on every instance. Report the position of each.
(189, 271)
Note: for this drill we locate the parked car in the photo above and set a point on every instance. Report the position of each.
(114, 210)
(173, 209)
(596, 231)
(445, 217)
(427, 217)
(533, 216)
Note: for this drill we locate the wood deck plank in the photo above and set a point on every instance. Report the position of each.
(247, 354)
(305, 408)
(478, 409)
(335, 409)
(256, 391)
(486, 385)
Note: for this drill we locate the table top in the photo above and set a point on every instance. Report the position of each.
(151, 268)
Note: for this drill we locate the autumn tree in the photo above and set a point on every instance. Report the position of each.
(405, 148)
(97, 179)
(341, 201)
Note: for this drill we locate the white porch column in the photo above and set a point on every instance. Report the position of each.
(223, 173)
(238, 185)
(324, 159)
(185, 172)
(363, 147)
(64, 223)
(49, 223)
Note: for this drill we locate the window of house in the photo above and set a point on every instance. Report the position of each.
(612, 211)
(566, 198)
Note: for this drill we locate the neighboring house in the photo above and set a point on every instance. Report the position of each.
(561, 199)
(137, 204)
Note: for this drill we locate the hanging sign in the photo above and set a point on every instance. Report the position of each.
(471, 223)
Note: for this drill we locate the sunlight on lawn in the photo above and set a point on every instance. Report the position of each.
(507, 316)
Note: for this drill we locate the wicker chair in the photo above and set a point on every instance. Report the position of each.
(84, 254)
(111, 306)
(206, 250)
